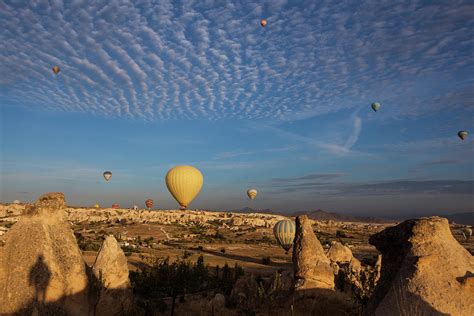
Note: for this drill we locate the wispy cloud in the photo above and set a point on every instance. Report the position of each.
(330, 147)
(314, 176)
(381, 188)
(233, 154)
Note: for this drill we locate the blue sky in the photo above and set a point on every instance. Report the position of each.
(147, 85)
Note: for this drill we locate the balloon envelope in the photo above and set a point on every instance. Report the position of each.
(96, 205)
(184, 184)
(56, 69)
(263, 22)
(149, 203)
(115, 205)
(252, 193)
(375, 106)
(107, 175)
(284, 232)
(16, 202)
(463, 134)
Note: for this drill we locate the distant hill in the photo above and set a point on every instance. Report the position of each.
(321, 215)
(248, 210)
(461, 218)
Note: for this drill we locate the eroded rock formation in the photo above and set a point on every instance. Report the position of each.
(312, 269)
(111, 270)
(339, 253)
(425, 271)
(41, 266)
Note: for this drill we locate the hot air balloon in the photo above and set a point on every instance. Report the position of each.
(107, 175)
(263, 22)
(115, 205)
(184, 184)
(56, 69)
(96, 205)
(375, 106)
(463, 134)
(252, 193)
(135, 207)
(16, 202)
(284, 232)
(149, 203)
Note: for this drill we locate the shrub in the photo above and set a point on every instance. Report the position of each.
(218, 235)
(340, 234)
(267, 239)
(160, 278)
(129, 249)
(187, 254)
(148, 240)
(223, 250)
(266, 261)
(198, 230)
(88, 245)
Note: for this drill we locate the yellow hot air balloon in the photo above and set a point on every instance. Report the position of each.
(96, 205)
(184, 184)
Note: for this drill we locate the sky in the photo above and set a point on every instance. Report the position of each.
(148, 85)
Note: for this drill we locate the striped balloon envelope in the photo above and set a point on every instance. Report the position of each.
(115, 205)
(149, 203)
(252, 193)
(284, 232)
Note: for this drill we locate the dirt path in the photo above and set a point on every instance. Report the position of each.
(167, 235)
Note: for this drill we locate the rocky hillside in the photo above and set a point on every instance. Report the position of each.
(186, 218)
(320, 215)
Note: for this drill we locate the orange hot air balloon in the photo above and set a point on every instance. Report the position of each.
(56, 69)
(149, 203)
(263, 22)
(115, 205)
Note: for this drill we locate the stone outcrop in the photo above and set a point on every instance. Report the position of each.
(358, 280)
(312, 269)
(244, 292)
(339, 253)
(111, 270)
(217, 304)
(425, 271)
(41, 266)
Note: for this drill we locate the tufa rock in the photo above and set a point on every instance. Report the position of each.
(111, 269)
(244, 292)
(312, 269)
(339, 253)
(217, 304)
(41, 266)
(358, 280)
(425, 271)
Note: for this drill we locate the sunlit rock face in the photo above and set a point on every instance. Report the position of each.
(111, 270)
(425, 271)
(312, 269)
(41, 266)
